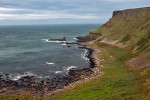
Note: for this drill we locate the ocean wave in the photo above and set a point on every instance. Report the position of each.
(58, 72)
(75, 39)
(85, 55)
(18, 76)
(47, 40)
(71, 67)
(63, 44)
(48, 63)
(66, 70)
(57, 41)
(43, 77)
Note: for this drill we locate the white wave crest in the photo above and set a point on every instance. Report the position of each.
(66, 70)
(64, 44)
(18, 76)
(58, 72)
(50, 63)
(57, 41)
(85, 54)
(71, 67)
(75, 38)
(41, 77)
(47, 40)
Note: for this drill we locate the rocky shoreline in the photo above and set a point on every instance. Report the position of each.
(35, 85)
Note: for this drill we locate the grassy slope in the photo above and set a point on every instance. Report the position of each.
(130, 27)
(117, 83)
(19, 96)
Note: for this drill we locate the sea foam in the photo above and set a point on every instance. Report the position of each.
(47, 40)
(18, 76)
(58, 72)
(66, 70)
(48, 63)
(85, 55)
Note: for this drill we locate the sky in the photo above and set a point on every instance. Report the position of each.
(22, 12)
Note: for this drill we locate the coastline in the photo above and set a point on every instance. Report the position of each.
(94, 67)
(75, 77)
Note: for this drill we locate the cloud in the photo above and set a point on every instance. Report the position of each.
(45, 16)
(60, 10)
(1, 19)
(8, 9)
(119, 1)
(12, 14)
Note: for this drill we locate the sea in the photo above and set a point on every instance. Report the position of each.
(26, 50)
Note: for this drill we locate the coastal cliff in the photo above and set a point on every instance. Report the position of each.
(128, 29)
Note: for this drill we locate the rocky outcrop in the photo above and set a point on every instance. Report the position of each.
(128, 15)
(132, 13)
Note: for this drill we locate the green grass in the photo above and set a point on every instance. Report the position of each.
(117, 83)
(19, 96)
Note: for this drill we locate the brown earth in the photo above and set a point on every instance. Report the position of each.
(140, 62)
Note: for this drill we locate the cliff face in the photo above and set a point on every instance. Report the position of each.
(139, 14)
(132, 13)
(128, 29)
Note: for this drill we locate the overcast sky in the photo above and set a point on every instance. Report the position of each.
(62, 11)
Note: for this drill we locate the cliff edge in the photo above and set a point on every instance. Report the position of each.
(128, 29)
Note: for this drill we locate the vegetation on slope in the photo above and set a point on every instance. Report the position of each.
(117, 83)
(130, 27)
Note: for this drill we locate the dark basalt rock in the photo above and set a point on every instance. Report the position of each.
(86, 38)
(63, 39)
(68, 46)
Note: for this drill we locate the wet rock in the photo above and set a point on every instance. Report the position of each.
(86, 38)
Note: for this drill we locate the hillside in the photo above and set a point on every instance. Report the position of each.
(129, 29)
(123, 45)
